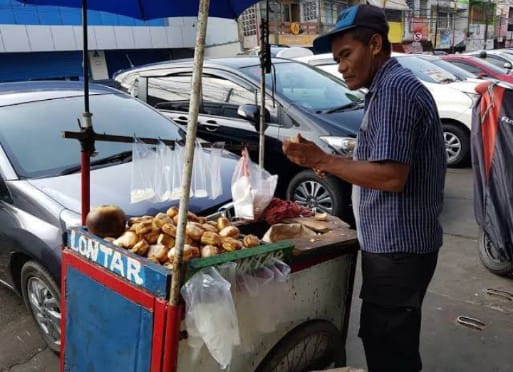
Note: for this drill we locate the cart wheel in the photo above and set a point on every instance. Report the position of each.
(42, 298)
(314, 345)
(491, 258)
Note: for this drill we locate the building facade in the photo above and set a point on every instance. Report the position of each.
(415, 25)
(42, 42)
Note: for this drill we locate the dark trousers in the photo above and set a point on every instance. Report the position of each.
(393, 288)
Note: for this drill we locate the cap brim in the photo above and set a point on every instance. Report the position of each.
(322, 44)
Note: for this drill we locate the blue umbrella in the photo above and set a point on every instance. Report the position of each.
(151, 9)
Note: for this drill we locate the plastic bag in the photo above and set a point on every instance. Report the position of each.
(177, 162)
(252, 188)
(199, 187)
(162, 171)
(142, 177)
(256, 289)
(210, 314)
(216, 184)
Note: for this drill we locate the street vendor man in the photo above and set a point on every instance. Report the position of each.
(398, 174)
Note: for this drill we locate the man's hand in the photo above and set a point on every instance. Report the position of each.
(304, 153)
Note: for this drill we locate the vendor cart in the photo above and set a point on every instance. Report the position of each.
(122, 312)
(115, 312)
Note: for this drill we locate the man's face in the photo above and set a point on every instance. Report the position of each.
(356, 60)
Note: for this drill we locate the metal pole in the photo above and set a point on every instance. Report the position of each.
(453, 25)
(486, 24)
(192, 125)
(87, 145)
(436, 25)
(265, 64)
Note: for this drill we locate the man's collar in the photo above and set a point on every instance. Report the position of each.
(382, 70)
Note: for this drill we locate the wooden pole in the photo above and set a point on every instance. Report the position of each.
(192, 125)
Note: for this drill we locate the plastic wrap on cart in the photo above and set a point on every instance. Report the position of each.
(121, 262)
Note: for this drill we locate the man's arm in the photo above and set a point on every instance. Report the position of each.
(386, 175)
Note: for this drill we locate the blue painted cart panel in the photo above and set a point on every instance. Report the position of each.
(108, 332)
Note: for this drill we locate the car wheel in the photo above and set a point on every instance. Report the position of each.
(491, 258)
(43, 300)
(315, 345)
(457, 144)
(324, 194)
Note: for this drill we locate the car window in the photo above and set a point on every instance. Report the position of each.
(217, 89)
(495, 60)
(467, 66)
(45, 153)
(459, 72)
(169, 88)
(425, 70)
(305, 85)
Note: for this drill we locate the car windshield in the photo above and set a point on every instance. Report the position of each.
(460, 73)
(306, 86)
(487, 65)
(426, 71)
(31, 133)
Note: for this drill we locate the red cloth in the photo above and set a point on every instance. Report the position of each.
(279, 209)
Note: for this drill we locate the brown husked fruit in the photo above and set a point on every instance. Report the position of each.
(106, 220)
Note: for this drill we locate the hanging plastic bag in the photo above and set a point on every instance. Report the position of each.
(199, 187)
(142, 175)
(161, 171)
(210, 314)
(252, 188)
(177, 163)
(256, 289)
(215, 182)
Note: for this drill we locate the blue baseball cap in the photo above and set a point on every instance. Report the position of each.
(361, 15)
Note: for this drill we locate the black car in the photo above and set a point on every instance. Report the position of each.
(300, 99)
(40, 180)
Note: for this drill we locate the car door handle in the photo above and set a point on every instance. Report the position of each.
(181, 118)
(211, 125)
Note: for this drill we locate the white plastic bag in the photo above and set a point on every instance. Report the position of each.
(210, 314)
(256, 289)
(142, 177)
(252, 188)
(216, 184)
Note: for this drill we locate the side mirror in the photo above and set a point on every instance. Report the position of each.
(508, 66)
(252, 114)
(140, 88)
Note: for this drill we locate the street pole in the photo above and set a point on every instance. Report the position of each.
(453, 25)
(486, 24)
(436, 25)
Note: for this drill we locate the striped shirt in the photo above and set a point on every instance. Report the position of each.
(402, 126)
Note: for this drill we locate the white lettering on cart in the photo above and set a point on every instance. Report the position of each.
(117, 264)
(106, 255)
(109, 258)
(133, 270)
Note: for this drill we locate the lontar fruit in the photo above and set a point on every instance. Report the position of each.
(106, 221)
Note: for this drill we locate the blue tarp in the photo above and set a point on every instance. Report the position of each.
(151, 9)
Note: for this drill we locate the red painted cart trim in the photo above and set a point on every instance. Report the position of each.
(172, 335)
(159, 324)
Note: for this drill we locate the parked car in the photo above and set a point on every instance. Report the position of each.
(479, 67)
(497, 57)
(300, 99)
(453, 99)
(460, 73)
(40, 180)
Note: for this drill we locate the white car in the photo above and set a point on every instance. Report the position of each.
(454, 99)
